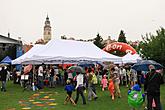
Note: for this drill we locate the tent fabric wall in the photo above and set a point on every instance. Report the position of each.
(129, 58)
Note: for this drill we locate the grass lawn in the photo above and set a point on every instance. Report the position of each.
(16, 99)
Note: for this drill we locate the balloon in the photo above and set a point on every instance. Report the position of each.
(123, 47)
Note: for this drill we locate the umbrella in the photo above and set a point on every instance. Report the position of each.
(76, 69)
(143, 65)
(27, 69)
(86, 64)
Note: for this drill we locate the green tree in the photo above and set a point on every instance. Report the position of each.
(122, 37)
(153, 46)
(98, 41)
(138, 48)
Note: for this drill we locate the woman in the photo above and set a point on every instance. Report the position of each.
(80, 87)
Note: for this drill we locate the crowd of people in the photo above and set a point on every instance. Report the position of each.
(106, 78)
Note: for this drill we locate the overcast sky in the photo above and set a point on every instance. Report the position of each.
(81, 18)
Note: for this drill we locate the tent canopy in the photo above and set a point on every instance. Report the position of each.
(6, 60)
(129, 58)
(36, 48)
(70, 51)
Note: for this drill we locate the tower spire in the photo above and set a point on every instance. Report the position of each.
(47, 30)
(47, 18)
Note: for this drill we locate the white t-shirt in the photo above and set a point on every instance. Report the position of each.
(80, 80)
(56, 71)
(133, 75)
(124, 72)
(40, 71)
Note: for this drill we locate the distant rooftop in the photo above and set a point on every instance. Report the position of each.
(4, 39)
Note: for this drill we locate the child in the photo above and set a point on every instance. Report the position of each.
(111, 88)
(69, 88)
(104, 82)
(135, 97)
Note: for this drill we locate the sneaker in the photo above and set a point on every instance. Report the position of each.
(113, 98)
(95, 98)
(65, 103)
(119, 96)
(145, 108)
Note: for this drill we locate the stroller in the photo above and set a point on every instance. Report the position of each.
(26, 77)
(135, 97)
(26, 82)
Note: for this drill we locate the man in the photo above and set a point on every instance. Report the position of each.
(152, 87)
(122, 73)
(116, 81)
(51, 82)
(91, 85)
(40, 76)
(3, 75)
(133, 77)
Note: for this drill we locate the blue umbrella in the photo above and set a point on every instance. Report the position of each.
(143, 65)
(86, 64)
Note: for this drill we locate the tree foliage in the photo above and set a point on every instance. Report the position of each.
(122, 37)
(153, 46)
(98, 41)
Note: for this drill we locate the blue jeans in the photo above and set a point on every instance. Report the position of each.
(40, 82)
(91, 92)
(51, 81)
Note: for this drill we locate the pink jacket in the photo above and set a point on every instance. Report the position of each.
(104, 82)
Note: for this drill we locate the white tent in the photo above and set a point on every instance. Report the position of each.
(71, 51)
(35, 49)
(129, 58)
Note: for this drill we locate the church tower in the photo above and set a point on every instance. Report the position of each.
(47, 30)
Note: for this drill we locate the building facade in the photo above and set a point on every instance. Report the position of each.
(10, 47)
